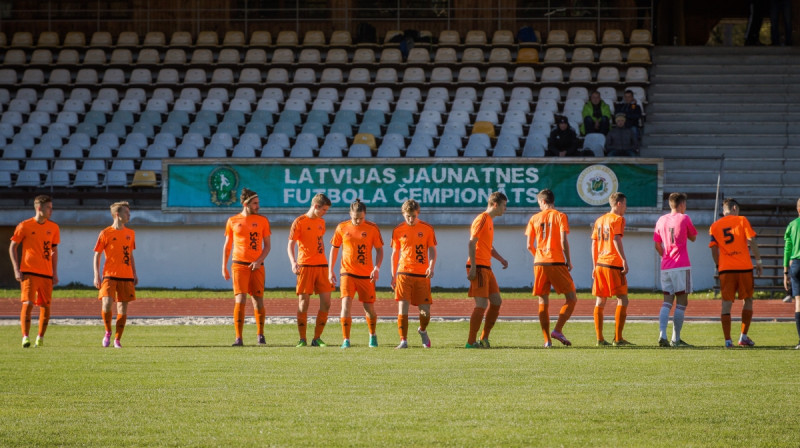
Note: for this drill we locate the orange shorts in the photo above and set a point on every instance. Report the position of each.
(413, 288)
(557, 275)
(736, 281)
(313, 280)
(36, 289)
(119, 290)
(246, 281)
(609, 282)
(363, 286)
(484, 283)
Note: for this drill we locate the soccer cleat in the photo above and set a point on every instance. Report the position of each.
(475, 344)
(485, 343)
(728, 343)
(262, 340)
(117, 343)
(662, 342)
(797, 347)
(548, 344)
(26, 342)
(621, 343)
(680, 343)
(403, 344)
(318, 343)
(373, 340)
(426, 341)
(559, 336)
(107, 339)
(788, 299)
(745, 341)
(237, 343)
(301, 343)
(39, 341)
(602, 343)
(346, 343)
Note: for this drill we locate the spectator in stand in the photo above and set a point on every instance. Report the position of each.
(776, 9)
(620, 141)
(563, 141)
(633, 113)
(596, 115)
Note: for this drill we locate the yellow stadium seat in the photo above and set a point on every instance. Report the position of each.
(144, 178)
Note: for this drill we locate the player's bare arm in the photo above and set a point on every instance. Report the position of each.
(565, 246)
(621, 251)
(14, 254)
(757, 255)
(473, 268)
(226, 253)
(377, 269)
(431, 261)
(98, 280)
(332, 257)
(266, 245)
(394, 263)
(292, 257)
(496, 255)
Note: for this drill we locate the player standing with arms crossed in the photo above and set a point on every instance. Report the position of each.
(483, 286)
(413, 261)
(547, 242)
(37, 269)
(357, 237)
(118, 280)
(730, 236)
(791, 266)
(609, 267)
(311, 267)
(248, 235)
(670, 239)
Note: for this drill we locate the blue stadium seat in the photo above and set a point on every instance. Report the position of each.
(359, 150)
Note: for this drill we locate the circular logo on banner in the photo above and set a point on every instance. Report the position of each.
(222, 184)
(596, 183)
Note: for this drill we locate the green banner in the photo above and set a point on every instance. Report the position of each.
(290, 184)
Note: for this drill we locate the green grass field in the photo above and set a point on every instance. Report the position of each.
(184, 386)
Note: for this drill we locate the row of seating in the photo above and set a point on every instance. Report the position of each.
(42, 57)
(314, 38)
(88, 77)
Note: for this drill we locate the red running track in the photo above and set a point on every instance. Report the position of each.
(452, 308)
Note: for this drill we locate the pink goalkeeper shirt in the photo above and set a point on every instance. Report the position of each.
(672, 232)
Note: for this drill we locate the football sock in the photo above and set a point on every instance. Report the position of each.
(44, 319)
(564, 314)
(475, 324)
(260, 316)
(371, 325)
(620, 315)
(491, 318)
(238, 319)
(346, 322)
(544, 321)
(302, 322)
(677, 324)
(402, 326)
(107, 320)
(424, 320)
(598, 322)
(747, 317)
(797, 323)
(319, 327)
(25, 318)
(726, 326)
(121, 319)
(663, 319)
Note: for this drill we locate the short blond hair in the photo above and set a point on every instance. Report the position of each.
(118, 205)
(676, 199)
(321, 200)
(616, 198)
(497, 197)
(410, 206)
(42, 199)
(357, 206)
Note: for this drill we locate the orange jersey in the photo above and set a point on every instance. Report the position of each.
(606, 228)
(118, 246)
(309, 234)
(247, 234)
(357, 243)
(38, 242)
(545, 229)
(730, 234)
(482, 229)
(413, 242)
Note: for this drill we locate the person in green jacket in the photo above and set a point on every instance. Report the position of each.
(596, 115)
(791, 266)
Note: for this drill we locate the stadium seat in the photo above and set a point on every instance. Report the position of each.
(610, 55)
(341, 38)
(608, 75)
(552, 75)
(260, 39)
(215, 150)
(535, 146)
(557, 37)
(555, 55)
(503, 37)
(496, 75)
(524, 75)
(450, 38)
(640, 37)
(527, 56)
(596, 143)
(359, 150)
(144, 178)
(613, 37)
(582, 55)
(115, 178)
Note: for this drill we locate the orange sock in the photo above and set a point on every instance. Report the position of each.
(564, 314)
(260, 316)
(726, 326)
(424, 321)
(747, 317)
(371, 324)
(121, 319)
(346, 322)
(598, 322)
(106, 320)
(319, 327)
(544, 321)
(302, 322)
(491, 318)
(238, 319)
(44, 319)
(620, 315)
(475, 324)
(402, 326)
(25, 318)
